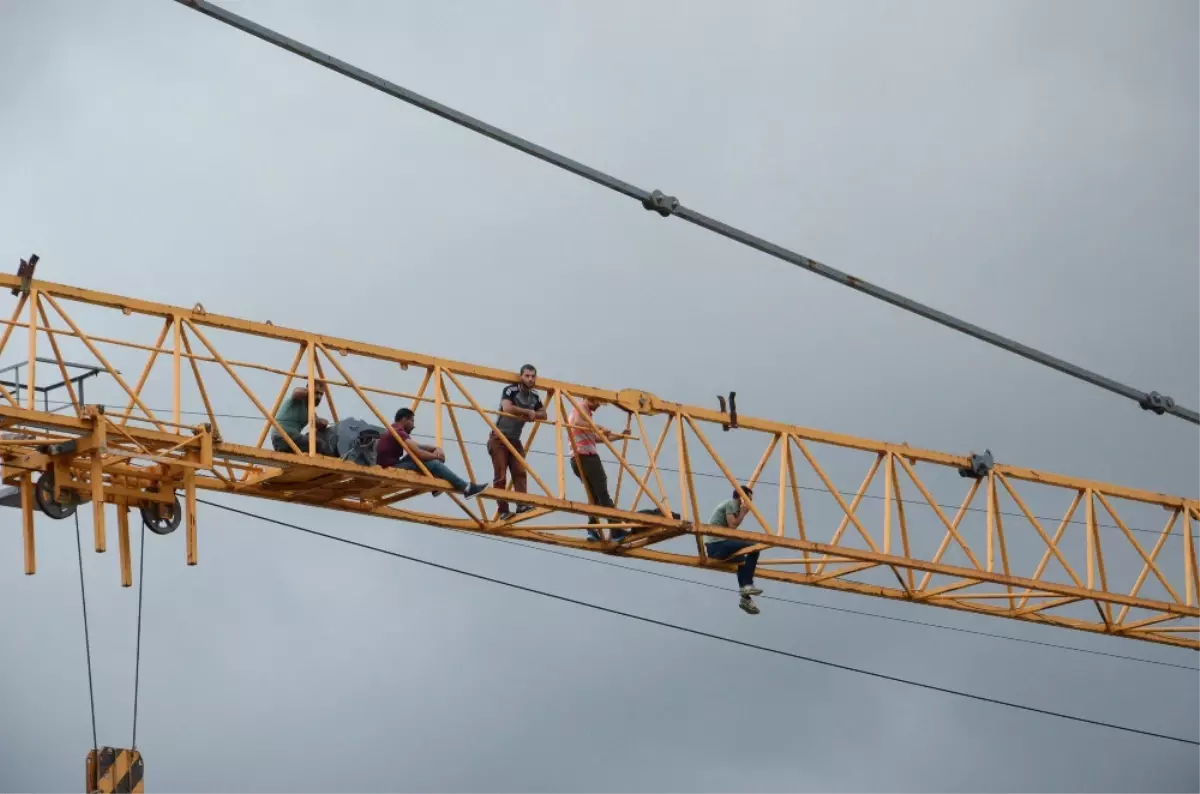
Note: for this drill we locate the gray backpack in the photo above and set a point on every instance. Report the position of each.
(356, 441)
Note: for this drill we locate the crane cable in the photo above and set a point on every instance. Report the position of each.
(668, 205)
(137, 660)
(87, 642)
(718, 637)
(830, 607)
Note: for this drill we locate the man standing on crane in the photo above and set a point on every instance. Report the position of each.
(517, 400)
(729, 514)
(389, 453)
(293, 418)
(586, 463)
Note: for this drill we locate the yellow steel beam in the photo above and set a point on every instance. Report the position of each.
(126, 461)
(652, 405)
(116, 770)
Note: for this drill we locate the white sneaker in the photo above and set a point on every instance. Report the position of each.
(748, 606)
(750, 590)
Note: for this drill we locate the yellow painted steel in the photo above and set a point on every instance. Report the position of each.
(137, 459)
(114, 770)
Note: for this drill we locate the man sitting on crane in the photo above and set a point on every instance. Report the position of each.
(389, 453)
(586, 463)
(293, 418)
(729, 514)
(517, 400)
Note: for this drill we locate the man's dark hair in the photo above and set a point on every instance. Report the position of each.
(527, 368)
(748, 491)
(403, 413)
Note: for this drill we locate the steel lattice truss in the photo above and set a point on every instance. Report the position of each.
(1007, 541)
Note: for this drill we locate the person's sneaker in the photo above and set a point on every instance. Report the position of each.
(619, 534)
(523, 509)
(748, 606)
(750, 590)
(591, 535)
(504, 516)
(474, 489)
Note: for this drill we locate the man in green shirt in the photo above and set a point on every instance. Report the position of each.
(729, 514)
(293, 418)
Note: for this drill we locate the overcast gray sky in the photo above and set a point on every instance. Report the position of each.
(1031, 167)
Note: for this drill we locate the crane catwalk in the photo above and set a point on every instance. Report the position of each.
(1070, 574)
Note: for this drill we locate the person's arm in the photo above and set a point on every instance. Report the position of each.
(735, 520)
(429, 452)
(578, 421)
(420, 451)
(507, 406)
(611, 435)
(301, 393)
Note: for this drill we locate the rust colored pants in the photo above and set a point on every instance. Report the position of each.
(503, 463)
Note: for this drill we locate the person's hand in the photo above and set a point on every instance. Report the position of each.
(321, 423)
(440, 454)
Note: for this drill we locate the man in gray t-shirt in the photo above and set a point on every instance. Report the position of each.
(293, 418)
(729, 514)
(519, 404)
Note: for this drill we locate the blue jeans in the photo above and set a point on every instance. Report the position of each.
(437, 469)
(723, 549)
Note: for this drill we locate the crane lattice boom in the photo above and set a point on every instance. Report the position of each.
(989, 549)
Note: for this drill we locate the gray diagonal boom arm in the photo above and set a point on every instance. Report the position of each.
(668, 205)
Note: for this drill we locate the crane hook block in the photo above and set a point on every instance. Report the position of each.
(112, 769)
(661, 203)
(979, 467)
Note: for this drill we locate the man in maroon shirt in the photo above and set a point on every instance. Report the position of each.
(389, 454)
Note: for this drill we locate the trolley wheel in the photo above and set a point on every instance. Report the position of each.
(162, 519)
(43, 492)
